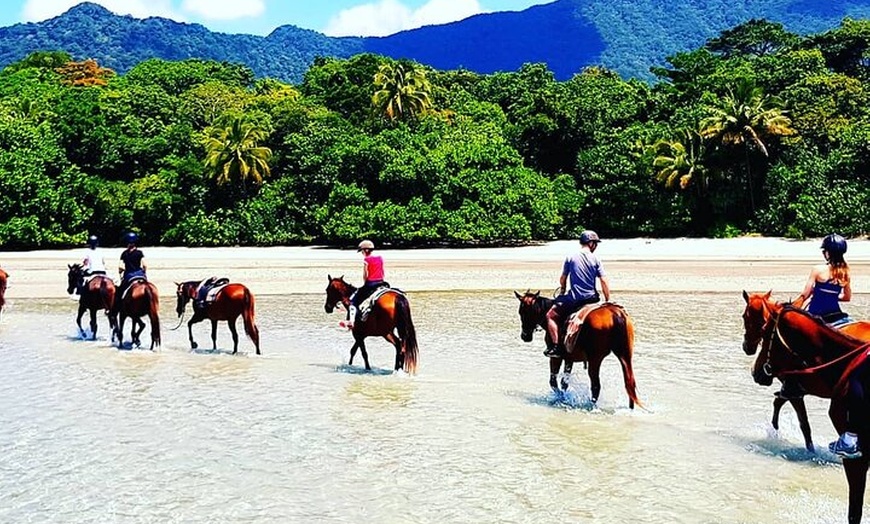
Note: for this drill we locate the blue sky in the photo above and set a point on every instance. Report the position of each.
(333, 17)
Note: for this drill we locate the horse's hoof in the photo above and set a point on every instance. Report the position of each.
(193, 345)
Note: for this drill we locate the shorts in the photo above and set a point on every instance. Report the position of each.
(565, 304)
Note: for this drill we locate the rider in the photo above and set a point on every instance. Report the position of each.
(93, 263)
(132, 266)
(827, 286)
(582, 269)
(373, 278)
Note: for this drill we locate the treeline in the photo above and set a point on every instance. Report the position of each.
(760, 130)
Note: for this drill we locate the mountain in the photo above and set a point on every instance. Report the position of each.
(627, 36)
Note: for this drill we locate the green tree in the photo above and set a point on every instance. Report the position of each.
(402, 91)
(233, 151)
(755, 37)
(748, 119)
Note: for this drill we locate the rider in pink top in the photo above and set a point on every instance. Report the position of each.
(373, 278)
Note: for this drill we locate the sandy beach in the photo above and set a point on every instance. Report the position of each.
(641, 264)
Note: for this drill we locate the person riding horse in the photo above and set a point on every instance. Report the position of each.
(582, 269)
(93, 262)
(132, 267)
(373, 278)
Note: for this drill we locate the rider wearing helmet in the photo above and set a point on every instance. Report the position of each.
(132, 266)
(829, 283)
(93, 263)
(582, 270)
(373, 278)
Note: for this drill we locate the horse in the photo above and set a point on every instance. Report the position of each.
(606, 329)
(232, 301)
(390, 317)
(141, 299)
(99, 293)
(4, 276)
(757, 312)
(799, 345)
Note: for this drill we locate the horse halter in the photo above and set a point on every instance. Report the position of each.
(771, 327)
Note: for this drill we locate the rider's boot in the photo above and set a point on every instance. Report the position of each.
(554, 350)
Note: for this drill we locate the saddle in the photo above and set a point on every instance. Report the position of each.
(575, 325)
(366, 305)
(130, 285)
(209, 288)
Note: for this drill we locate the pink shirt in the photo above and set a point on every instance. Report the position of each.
(374, 268)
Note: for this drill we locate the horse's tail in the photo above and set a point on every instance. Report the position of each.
(105, 300)
(153, 308)
(624, 349)
(248, 317)
(405, 327)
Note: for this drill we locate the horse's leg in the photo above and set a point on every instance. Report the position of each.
(365, 355)
(397, 343)
(190, 324)
(594, 378)
(214, 335)
(856, 476)
(122, 318)
(555, 365)
(137, 333)
(803, 420)
(81, 313)
(93, 312)
(232, 324)
(566, 376)
(778, 403)
(353, 349)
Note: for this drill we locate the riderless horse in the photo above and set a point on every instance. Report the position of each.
(390, 317)
(95, 294)
(801, 346)
(607, 328)
(228, 303)
(139, 300)
(759, 306)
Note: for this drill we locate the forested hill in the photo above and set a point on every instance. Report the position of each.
(626, 36)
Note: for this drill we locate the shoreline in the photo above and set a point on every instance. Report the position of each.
(640, 264)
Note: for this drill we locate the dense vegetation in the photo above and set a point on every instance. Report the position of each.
(760, 130)
(625, 36)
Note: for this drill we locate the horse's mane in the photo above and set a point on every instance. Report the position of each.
(836, 335)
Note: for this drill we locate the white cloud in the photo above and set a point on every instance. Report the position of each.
(386, 17)
(38, 10)
(224, 9)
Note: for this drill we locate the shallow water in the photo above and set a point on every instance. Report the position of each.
(92, 434)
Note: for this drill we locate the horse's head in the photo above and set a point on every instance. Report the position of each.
(184, 292)
(337, 292)
(74, 278)
(756, 313)
(533, 313)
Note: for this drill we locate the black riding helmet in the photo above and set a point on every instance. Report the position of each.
(93, 240)
(131, 238)
(589, 236)
(834, 244)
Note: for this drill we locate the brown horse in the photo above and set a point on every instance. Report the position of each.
(4, 276)
(390, 318)
(799, 345)
(140, 299)
(99, 293)
(759, 306)
(606, 329)
(232, 301)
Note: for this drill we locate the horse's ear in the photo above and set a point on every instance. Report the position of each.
(341, 278)
(519, 297)
(69, 266)
(329, 277)
(745, 296)
(537, 294)
(767, 295)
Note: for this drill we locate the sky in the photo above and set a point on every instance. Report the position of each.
(260, 17)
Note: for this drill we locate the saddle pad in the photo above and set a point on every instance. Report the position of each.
(130, 285)
(365, 306)
(213, 292)
(843, 322)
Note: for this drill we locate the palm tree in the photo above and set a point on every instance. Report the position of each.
(746, 118)
(683, 162)
(233, 153)
(401, 93)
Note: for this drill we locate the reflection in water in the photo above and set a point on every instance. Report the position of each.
(92, 434)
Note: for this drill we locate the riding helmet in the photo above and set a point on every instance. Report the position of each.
(93, 240)
(834, 243)
(366, 244)
(131, 238)
(589, 236)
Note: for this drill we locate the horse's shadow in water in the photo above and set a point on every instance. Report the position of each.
(576, 396)
(354, 370)
(216, 351)
(776, 446)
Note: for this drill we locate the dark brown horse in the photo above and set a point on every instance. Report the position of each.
(390, 318)
(606, 329)
(759, 306)
(140, 300)
(4, 276)
(799, 345)
(97, 294)
(232, 301)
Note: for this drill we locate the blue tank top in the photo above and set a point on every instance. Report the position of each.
(826, 298)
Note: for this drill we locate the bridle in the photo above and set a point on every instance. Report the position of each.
(771, 328)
